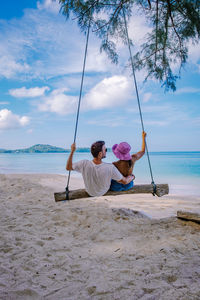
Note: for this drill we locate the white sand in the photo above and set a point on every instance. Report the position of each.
(94, 248)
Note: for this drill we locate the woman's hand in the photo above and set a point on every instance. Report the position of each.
(73, 147)
(144, 134)
(133, 176)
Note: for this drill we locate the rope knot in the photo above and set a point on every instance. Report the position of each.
(154, 188)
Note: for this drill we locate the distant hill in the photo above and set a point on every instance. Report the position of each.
(40, 148)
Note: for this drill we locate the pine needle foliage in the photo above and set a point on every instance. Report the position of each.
(173, 25)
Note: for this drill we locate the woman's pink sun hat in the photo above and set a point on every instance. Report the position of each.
(122, 151)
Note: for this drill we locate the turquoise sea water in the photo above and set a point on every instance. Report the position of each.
(180, 169)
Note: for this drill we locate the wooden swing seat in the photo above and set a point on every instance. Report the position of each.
(161, 189)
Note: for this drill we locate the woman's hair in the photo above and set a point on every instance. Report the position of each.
(129, 163)
(96, 148)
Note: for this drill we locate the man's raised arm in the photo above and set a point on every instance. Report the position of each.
(70, 158)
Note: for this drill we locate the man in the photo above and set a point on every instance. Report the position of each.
(97, 175)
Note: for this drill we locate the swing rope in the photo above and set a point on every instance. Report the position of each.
(138, 99)
(79, 101)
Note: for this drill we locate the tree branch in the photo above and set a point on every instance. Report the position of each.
(172, 20)
(117, 10)
(156, 30)
(149, 4)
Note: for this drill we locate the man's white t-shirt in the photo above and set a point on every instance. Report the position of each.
(97, 178)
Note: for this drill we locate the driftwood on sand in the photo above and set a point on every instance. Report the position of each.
(161, 189)
(189, 216)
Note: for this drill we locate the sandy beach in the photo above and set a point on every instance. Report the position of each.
(96, 248)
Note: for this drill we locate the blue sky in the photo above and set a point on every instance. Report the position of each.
(41, 56)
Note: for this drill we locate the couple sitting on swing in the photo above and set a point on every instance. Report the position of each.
(99, 177)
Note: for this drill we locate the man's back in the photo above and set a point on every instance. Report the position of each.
(97, 177)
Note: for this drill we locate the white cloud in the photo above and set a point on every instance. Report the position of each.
(108, 122)
(49, 5)
(58, 102)
(194, 52)
(97, 61)
(42, 45)
(147, 97)
(110, 92)
(28, 93)
(9, 67)
(162, 115)
(152, 109)
(138, 28)
(158, 109)
(157, 123)
(196, 121)
(8, 120)
(4, 102)
(30, 131)
(188, 90)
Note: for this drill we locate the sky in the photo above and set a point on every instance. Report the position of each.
(41, 59)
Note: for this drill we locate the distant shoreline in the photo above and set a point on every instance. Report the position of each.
(41, 148)
(45, 148)
(83, 150)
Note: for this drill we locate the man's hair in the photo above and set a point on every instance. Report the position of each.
(96, 148)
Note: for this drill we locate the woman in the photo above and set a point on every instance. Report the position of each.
(126, 163)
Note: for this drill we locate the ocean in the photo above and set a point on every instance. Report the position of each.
(181, 170)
